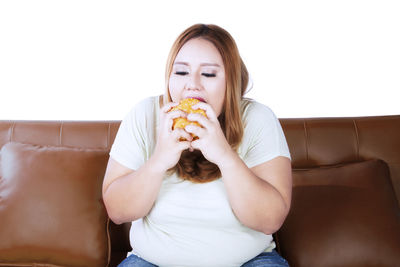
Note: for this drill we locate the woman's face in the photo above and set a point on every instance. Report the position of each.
(198, 72)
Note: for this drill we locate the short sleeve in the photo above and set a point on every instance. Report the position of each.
(130, 144)
(263, 137)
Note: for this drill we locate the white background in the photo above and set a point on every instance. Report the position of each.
(93, 60)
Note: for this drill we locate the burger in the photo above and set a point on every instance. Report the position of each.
(186, 106)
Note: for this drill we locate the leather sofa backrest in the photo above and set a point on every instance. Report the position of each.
(316, 142)
(312, 142)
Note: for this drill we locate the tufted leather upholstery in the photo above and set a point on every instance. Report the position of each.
(313, 142)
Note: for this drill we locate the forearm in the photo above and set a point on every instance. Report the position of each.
(255, 202)
(132, 196)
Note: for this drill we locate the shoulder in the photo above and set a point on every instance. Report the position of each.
(256, 112)
(143, 109)
(146, 104)
(263, 137)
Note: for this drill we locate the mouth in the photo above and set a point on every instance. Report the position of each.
(198, 98)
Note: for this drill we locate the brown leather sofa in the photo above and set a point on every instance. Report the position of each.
(345, 208)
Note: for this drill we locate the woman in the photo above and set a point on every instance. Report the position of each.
(211, 201)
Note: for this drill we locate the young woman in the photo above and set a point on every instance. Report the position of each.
(211, 201)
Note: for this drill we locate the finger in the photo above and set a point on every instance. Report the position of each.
(183, 145)
(167, 107)
(208, 109)
(180, 134)
(195, 145)
(203, 121)
(169, 117)
(165, 110)
(176, 114)
(196, 130)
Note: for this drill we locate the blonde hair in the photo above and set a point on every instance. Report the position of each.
(192, 165)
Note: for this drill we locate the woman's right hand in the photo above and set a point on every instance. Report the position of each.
(169, 148)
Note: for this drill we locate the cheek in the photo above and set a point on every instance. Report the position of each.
(175, 87)
(219, 96)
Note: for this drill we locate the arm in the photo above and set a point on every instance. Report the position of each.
(260, 197)
(130, 194)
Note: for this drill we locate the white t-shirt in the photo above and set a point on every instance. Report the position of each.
(193, 224)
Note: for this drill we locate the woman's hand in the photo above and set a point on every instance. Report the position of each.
(169, 148)
(212, 142)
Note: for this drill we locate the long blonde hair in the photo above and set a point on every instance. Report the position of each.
(192, 165)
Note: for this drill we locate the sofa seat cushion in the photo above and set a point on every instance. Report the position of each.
(51, 207)
(342, 216)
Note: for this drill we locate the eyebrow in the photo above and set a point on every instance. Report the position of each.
(202, 64)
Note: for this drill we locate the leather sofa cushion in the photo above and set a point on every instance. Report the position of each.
(51, 208)
(342, 216)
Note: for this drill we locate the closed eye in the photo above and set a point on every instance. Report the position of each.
(209, 75)
(181, 73)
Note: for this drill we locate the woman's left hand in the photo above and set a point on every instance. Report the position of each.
(212, 142)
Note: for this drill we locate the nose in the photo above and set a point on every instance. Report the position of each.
(194, 82)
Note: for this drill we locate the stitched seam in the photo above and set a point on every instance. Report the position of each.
(60, 136)
(12, 131)
(357, 138)
(306, 138)
(108, 135)
(109, 251)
